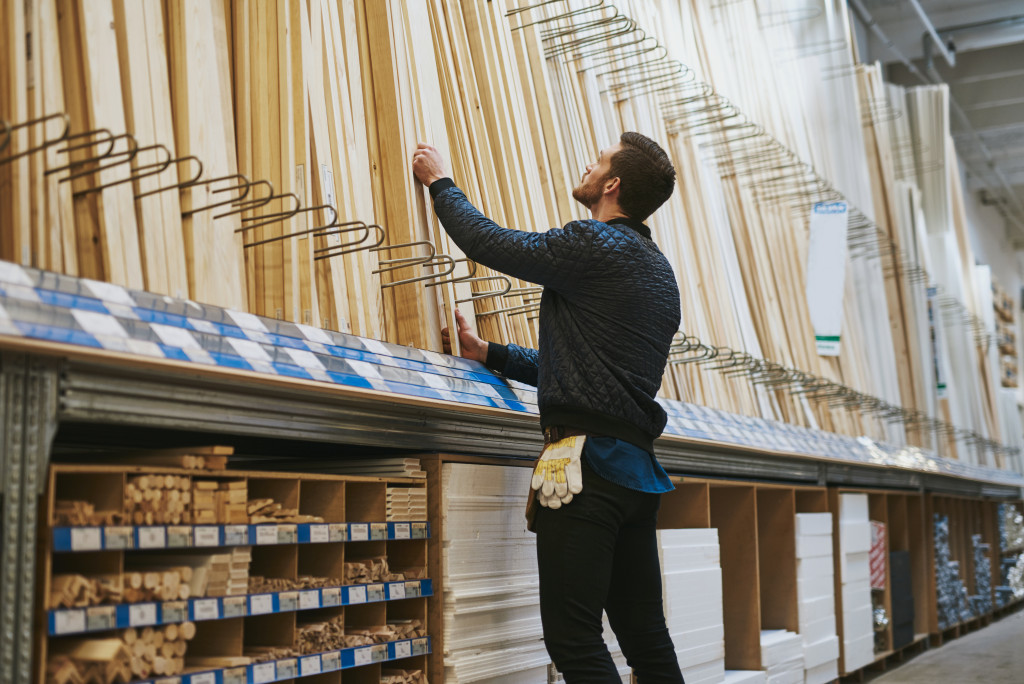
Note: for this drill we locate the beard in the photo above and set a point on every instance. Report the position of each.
(588, 193)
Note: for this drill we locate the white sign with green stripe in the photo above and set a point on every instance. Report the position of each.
(826, 274)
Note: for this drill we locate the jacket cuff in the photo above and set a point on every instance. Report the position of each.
(439, 186)
(497, 355)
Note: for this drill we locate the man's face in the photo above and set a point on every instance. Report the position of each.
(591, 186)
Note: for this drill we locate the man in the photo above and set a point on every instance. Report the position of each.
(607, 316)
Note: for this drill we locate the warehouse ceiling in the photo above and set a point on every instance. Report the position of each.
(986, 42)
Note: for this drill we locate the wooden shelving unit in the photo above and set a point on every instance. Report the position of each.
(248, 638)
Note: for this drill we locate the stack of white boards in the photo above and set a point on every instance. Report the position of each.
(855, 572)
(492, 628)
(406, 503)
(815, 590)
(745, 677)
(782, 656)
(692, 586)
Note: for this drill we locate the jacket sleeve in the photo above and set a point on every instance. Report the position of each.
(514, 362)
(560, 258)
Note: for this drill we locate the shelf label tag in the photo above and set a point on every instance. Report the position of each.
(117, 538)
(331, 596)
(234, 606)
(397, 590)
(338, 532)
(204, 678)
(319, 534)
(357, 594)
(403, 531)
(263, 673)
(141, 614)
(375, 592)
(309, 599)
(266, 534)
(152, 537)
(205, 609)
(403, 649)
(309, 666)
(359, 531)
(69, 621)
(100, 617)
(288, 600)
(86, 539)
(363, 656)
(330, 660)
(236, 535)
(261, 604)
(206, 536)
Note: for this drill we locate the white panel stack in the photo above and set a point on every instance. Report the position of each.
(692, 584)
(492, 629)
(782, 656)
(855, 572)
(815, 588)
(745, 677)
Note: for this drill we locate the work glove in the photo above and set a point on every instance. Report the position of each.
(558, 474)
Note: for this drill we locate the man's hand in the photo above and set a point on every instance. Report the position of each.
(427, 164)
(472, 346)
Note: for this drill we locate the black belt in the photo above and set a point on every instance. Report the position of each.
(556, 433)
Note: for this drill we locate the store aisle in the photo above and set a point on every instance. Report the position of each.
(993, 655)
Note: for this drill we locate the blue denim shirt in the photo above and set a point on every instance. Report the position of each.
(626, 465)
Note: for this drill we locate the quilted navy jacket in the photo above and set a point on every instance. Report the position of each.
(607, 316)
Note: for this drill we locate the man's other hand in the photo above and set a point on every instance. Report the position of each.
(427, 164)
(472, 346)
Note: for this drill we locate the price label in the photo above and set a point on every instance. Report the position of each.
(152, 537)
(179, 536)
(167, 680)
(375, 592)
(413, 589)
(331, 596)
(309, 599)
(403, 649)
(117, 538)
(100, 617)
(175, 611)
(266, 534)
(359, 531)
(286, 668)
(403, 531)
(141, 614)
(68, 621)
(263, 673)
(206, 536)
(419, 530)
(378, 531)
(419, 646)
(288, 601)
(205, 609)
(309, 666)
(379, 653)
(330, 661)
(261, 604)
(86, 539)
(357, 594)
(338, 532)
(397, 590)
(236, 535)
(204, 678)
(363, 656)
(234, 606)
(319, 534)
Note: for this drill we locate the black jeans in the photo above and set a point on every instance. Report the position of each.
(600, 553)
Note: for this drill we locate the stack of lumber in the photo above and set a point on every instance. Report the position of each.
(373, 570)
(260, 585)
(402, 677)
(159, 583)
(157, 499)
(84, 513)
(180, 576)
(382, 467)
(406, 503)
(228, 573)
(304, 115)
(220, 502)
(77, 591)
(214, 457)
(266, 510)
(132, 654)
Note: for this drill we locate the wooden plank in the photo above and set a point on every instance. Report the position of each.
(15, 226)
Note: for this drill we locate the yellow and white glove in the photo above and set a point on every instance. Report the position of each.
(558, 476)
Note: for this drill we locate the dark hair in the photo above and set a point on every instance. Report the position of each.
(646, 175)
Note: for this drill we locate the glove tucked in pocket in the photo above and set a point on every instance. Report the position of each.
(557, 475)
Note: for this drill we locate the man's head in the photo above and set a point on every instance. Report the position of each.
(634, 175)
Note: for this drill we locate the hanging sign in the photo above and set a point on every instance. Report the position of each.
(826, 274)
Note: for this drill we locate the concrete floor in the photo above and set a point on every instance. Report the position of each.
(993, 655)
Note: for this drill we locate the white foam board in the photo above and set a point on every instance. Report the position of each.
(745, 677)
(813, 547)
(856, 566)
(856, 593)
(808, 588)
(814, 567)
(822, 674)
(857, 623)
(855, 537)
(853, 507)
(813, 630)
(858, 653)
(814, 524)
(706, 673)
(816, 609)
(821, 652)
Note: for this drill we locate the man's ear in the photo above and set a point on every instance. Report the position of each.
(612, 185)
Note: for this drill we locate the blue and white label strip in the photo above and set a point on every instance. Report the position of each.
(304, 666)
(65, 621)
(114, 537)
(48, 306)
